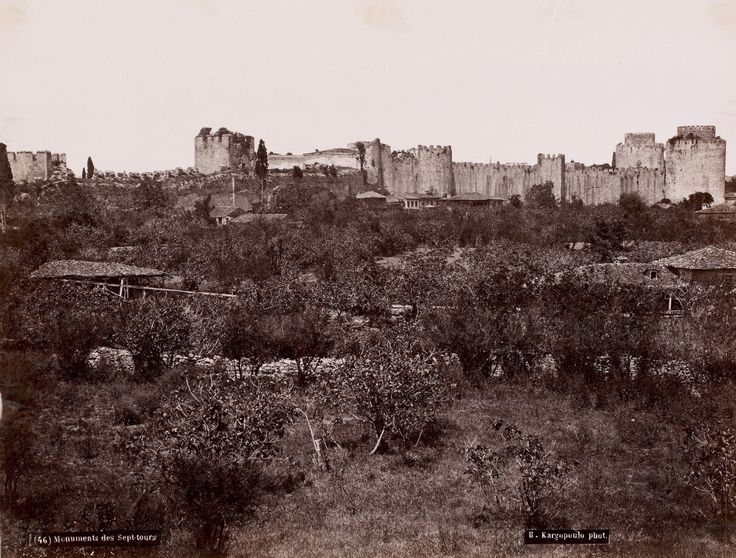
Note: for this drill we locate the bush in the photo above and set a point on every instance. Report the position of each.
(153, 330)
(522, 475)
(214, 495)
(393, 387)
(68, 321)
(711, 459)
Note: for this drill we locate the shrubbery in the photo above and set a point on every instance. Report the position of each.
(201, 447)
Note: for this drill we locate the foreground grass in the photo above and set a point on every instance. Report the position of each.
(625, 462)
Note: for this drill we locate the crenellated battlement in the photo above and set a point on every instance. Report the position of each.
(35, 165)
(547, 157)
(470, 165)
(639, 138)
(696, 162)
(223, 150)
(698, 131)
(438, 149)
(33, 155)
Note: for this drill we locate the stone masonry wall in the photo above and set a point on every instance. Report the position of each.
(403, 172)
(639, 150)
(551, 168)
(28, 166)
(472, 177)
(223, 151)
(696, 163)
(434, 170)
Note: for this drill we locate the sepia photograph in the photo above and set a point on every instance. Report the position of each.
(367, 278)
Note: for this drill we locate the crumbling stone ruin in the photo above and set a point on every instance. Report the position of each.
(43, 165)
(223, 150)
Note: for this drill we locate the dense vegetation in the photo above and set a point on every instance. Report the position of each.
(505, 395)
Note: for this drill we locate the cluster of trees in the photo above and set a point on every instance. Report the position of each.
(210, 438)
(201, 444)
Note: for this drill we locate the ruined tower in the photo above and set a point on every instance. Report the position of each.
(639, 151)
(378, 157)
(28, 166)
(223, 151)
(696, 162)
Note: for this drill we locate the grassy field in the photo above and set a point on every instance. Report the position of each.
(624, 468)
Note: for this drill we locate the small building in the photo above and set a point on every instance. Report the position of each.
(708, 265)
(116, 278)
(371, 199)
(223, 215)
(647, 275)
(392, 202)
(720, 212)
(419, 201)
(473, 199)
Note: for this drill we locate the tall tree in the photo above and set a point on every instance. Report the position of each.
(6, 185)
(262, 167)
(90, 168)
(360, 146)
(84, 174)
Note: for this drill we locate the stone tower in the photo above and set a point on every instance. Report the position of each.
(223, 151)
(551, 168)
(434, 170)
(639, 151)
(696, 162)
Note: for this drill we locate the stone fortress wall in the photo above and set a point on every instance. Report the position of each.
(696, 157)
(223, 150)
(27, 166)
(639, 150)
(695, 161)
(339, 157)
(692, 161)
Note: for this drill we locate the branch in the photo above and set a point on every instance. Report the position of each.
(191, 392)
(378, 442)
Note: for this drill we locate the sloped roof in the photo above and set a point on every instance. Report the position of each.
(474, 196)
(225, 211)
(721, 208)
(413, 196)
(709, 257)
(629, 274)
(226, 200)
(370, 194)
(61, 269)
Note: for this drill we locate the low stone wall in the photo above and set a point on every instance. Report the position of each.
(122, 360)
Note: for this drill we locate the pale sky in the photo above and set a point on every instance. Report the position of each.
(131, 82)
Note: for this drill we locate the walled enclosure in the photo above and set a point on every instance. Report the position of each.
(695, 161)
